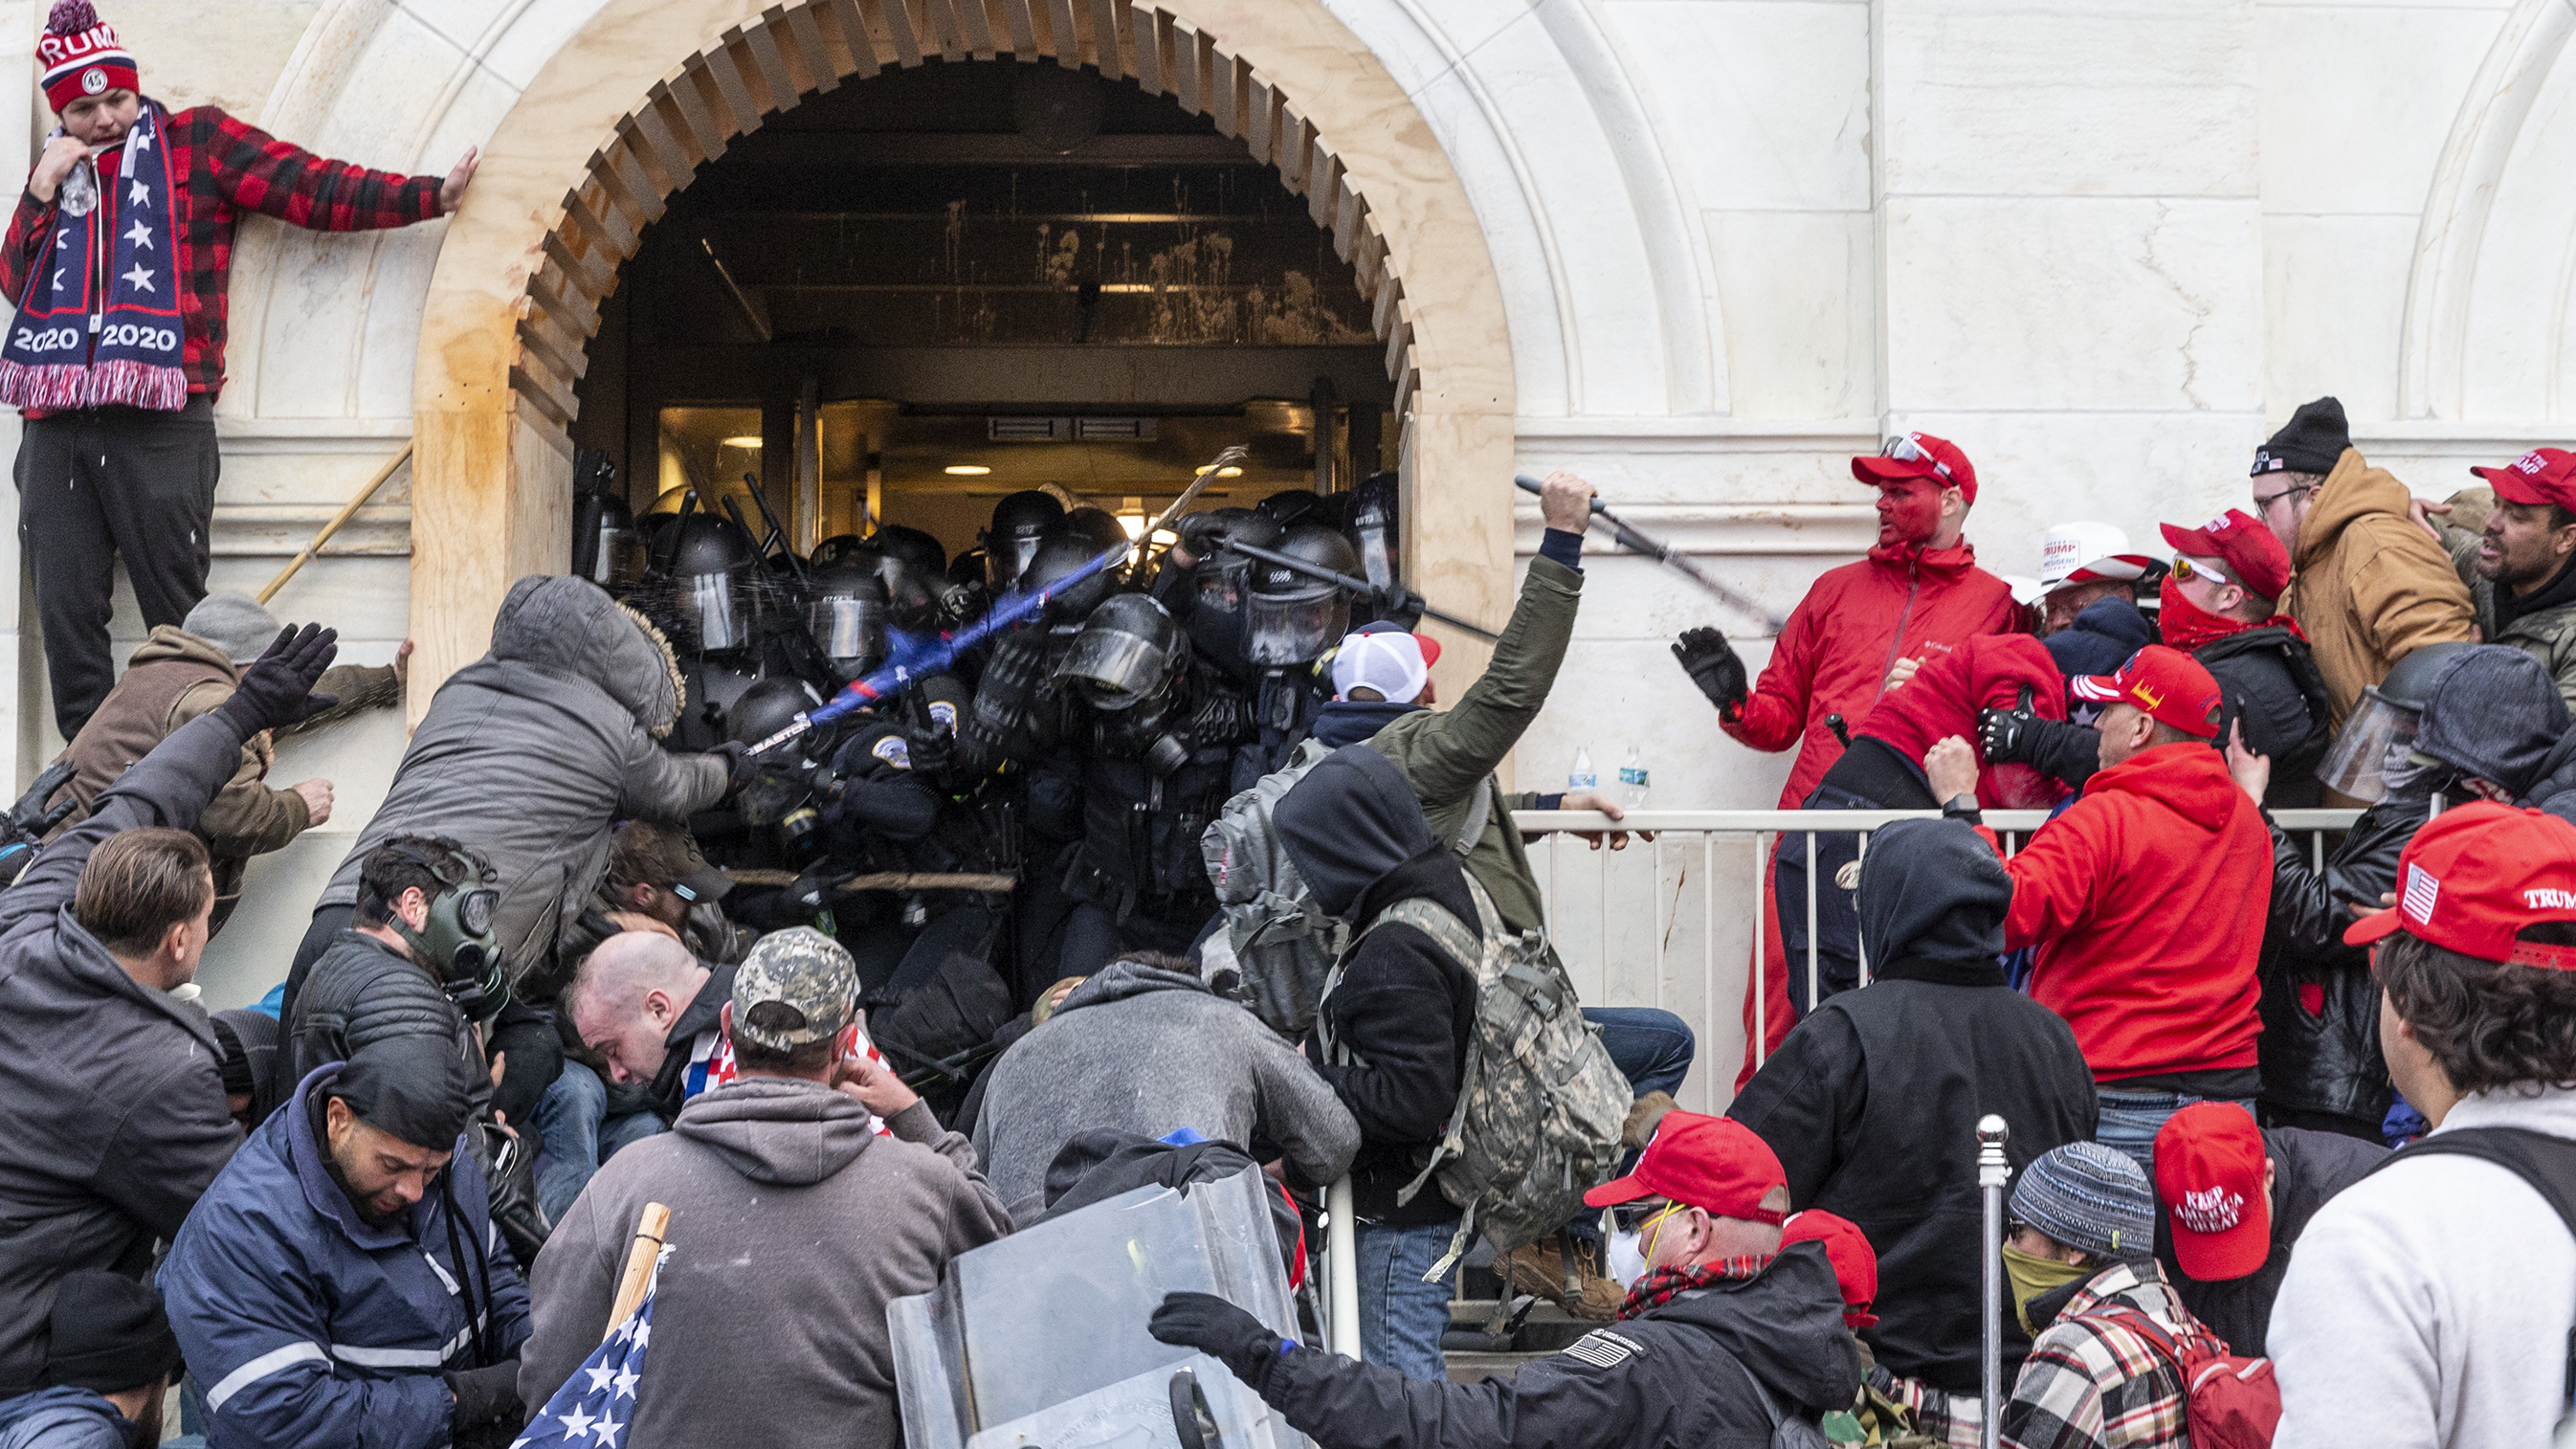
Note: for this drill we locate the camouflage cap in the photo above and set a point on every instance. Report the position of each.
(796, 986)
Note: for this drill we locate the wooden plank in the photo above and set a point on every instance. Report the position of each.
(841, 22)
(539, 337)
(1023, 28)
(1108, 25)
(621, 174)
(943, 24)
(723, 66)
(1347, 213)
(1216, 82)
(808, 36)
(1234, 94)
(697, 125)
(564, 303)
(1382, 316)
(524, 381)
(762, 42)
(1399, 341)
(594, 273)
(1144, 53)
(1368, 263)
(1405, 387)
(1323, 181)
(1062, 36)
(1165, 60)
(1296, 147)
(979, 27)
(578, 211)
(1188, 82)
(1260, 118)
(895, 18)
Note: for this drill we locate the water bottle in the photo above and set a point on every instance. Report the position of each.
(79, 191)
(1633, 781)
(1581, 776)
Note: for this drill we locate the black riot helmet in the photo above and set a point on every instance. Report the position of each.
(1293, 617)
(1097, 527)
(1021, 521)
(1057, 558)
(711, 572)
(770, 705)
(1128, 653)
(847, 615)
(915, 570)
(1377, 531)
(842, 546)
(1223, 577)
(1291, 506)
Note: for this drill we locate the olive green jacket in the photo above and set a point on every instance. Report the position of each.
(2548, 635)
(1448, 754)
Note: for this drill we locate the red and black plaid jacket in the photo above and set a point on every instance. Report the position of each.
(226, 167)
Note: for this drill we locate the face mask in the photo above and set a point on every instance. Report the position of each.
(2032, 1277)
(2187, 626)
(1623, 1258)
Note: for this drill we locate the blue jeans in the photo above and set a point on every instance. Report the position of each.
(2130, 1121)
(1653, 1049)
(1402, 1317)
(580, 1135)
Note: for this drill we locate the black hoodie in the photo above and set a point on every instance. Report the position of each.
(1400, 1013)
(1872, 1102)
(1675, 1375)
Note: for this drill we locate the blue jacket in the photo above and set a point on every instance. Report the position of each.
(2101, 639)
(63, 1418)
(309, 1327)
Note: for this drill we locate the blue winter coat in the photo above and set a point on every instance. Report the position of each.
(309, 1327)
(63, 1418)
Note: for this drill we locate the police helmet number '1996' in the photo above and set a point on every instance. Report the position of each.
(93, 81)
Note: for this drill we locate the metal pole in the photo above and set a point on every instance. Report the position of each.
(1993, 1171)
(1342, 1271)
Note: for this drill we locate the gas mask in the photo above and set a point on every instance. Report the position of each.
(457, 943)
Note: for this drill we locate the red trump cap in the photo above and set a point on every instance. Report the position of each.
(2166, 683)
(2543, 475)
(1715, 1164)
(2475, 875)
(2209, 1177)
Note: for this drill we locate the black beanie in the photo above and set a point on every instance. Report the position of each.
(109, 1334)
(417, 1087)
(2312, 441)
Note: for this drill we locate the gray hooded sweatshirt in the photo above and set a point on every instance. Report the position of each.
(1144, 1050)
(530, 753)
(792, 1226)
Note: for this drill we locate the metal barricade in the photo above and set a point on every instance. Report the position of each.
(1675, 922)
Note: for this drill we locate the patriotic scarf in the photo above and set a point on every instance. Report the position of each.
(100, 326)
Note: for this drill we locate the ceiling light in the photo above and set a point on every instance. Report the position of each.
(966, 470)
(1229, 471)
(747, 440)
(1134, 523)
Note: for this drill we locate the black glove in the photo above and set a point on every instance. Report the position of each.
(1397, 605)
(1713, 667)
(277, 689)
(2005, 736)
(1201, 534)
(932, 751)
(1220, 1330)
(740, 768)
(487, 1396)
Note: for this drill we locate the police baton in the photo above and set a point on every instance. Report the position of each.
(1361, 587)
(1664, 553)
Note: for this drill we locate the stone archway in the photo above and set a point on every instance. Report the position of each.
(589, 155)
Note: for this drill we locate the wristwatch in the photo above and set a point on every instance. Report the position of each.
(1962, 806)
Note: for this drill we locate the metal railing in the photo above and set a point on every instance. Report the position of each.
(1675, 922)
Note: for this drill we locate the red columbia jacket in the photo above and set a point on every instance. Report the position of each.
(1987, 672)
(1858, 620)
(2147, 901)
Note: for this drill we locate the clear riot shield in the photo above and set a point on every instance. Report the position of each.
(1038, 1341)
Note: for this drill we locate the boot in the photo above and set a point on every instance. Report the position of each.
(1599, 1298)
(1539, 1268)
(1644, 1117)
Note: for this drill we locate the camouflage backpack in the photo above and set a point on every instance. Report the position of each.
(1540, 1103)
(1278, 940)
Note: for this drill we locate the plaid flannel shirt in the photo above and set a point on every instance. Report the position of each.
(2090, 1383)
(228, 166)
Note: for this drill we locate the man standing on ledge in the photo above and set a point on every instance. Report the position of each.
(117, 261)
(1861, 628)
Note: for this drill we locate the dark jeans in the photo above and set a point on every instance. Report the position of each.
(97, 484)
(1653, 1049)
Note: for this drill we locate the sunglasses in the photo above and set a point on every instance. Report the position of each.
(2266, 501)
(1636, 1217)
(2184, 571)
(1904, 449)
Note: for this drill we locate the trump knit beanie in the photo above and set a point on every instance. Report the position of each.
(2089, 1196)
(2310, 442)
(82, 56)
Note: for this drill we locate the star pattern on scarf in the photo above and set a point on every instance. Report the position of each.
(141, 196)
(140, 276)
(62, 238)
(140, 235)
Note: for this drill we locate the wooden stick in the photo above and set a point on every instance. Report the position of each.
(337, 519)
(640, 1258)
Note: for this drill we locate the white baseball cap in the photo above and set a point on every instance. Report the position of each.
(2081, 553)
(1389, 661)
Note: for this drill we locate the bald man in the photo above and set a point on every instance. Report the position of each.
(648, 1009)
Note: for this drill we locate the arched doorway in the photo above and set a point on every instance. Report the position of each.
(516, 297)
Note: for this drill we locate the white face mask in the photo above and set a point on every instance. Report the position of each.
(1622, 1257)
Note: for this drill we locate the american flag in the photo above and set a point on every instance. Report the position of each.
(596, 1406)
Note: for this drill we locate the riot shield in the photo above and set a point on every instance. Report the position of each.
(1039, 1339)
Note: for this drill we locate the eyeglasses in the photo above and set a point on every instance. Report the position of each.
(2262, 503)
(1636, 1217)
(1904, 449)
(2184, 571)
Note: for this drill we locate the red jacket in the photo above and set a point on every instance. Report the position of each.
(1858, 620)
(1943, 697)
(226, 167)
(2147, 901)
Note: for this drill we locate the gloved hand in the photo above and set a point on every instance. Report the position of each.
(486, 1396)
(1220, 1330)
(740, 767)
(2004, 736)
(1201, 534)
(1713, 667)
(932, 751)
(1397, 605)
(277, 689)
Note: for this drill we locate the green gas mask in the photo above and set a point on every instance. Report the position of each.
(457, 942)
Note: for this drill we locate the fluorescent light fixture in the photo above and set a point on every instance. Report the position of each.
(1229, 471)
(966, 470)
(747, 440)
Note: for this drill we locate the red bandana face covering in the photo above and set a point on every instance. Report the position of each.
(2187, 626)
(1909, 511)
(1661, 1285)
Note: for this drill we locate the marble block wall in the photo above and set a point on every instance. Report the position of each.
(2104, 246)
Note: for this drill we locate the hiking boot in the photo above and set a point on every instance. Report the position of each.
(1644, 1118)
(1539, 1268)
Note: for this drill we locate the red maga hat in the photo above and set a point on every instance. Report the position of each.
(2543, 475)
(1919, 455)
(2253, 558)
(2209, 1178)
(2166, 683)
(1715, 1164)
(2476, 874)
(1855, 1261)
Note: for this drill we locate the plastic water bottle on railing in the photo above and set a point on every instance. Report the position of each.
(1581, 776)
(1633, 781)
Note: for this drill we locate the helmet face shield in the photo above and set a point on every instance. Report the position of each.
(1009, 557)
(2371, 748)
(1295, 628)
(851, 631)
(718, 607)
(1222, 584)
(1116, 670)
